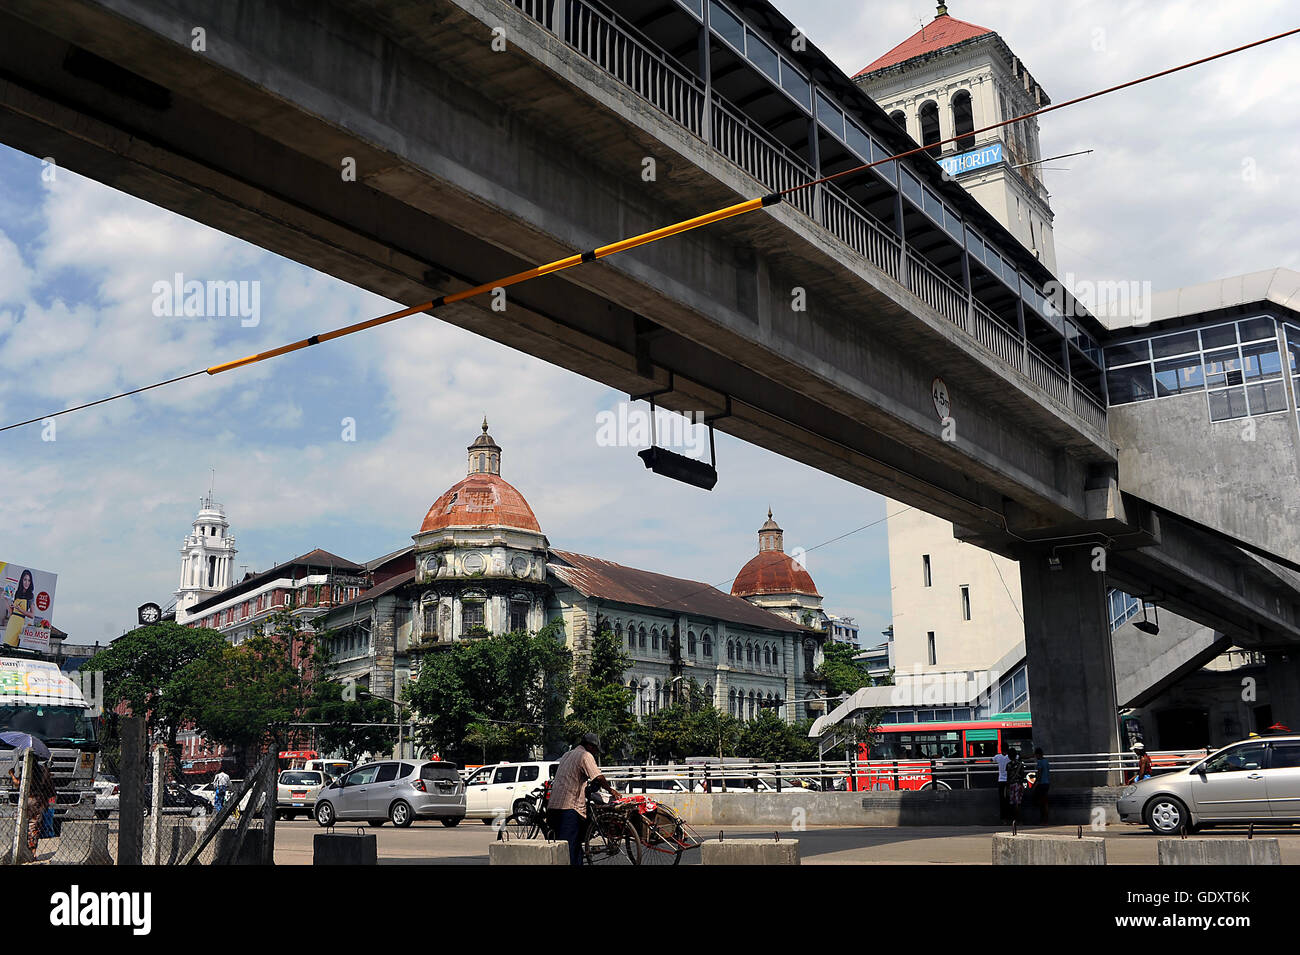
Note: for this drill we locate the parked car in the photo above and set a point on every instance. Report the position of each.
(659, 784)
(107, 795)
(296, 792)
(205, 791)
(177, 801)
(494, 792)
(396, 791)
(1254, 780)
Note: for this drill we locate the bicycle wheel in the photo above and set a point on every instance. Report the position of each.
(662, 843)
(517, 826)
(611, 841)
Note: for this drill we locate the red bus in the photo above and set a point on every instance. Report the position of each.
(941, 755)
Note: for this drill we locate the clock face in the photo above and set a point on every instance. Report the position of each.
(150, 613)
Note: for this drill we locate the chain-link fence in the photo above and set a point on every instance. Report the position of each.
(56, 813)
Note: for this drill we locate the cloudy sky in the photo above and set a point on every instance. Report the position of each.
(1187, 183)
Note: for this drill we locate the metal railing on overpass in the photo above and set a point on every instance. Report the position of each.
(856, 775)
(614, 46)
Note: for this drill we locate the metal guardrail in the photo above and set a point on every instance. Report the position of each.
(613, 45)
(780, 775)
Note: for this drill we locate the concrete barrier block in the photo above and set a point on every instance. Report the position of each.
(330, 848)
(250, 850)
(83, 843)
(1218, 852)
(750, 852)
(528, 852)
(1048, 850)
(181, 841)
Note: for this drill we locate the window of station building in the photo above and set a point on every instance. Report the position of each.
(690, 642)
(963, 120)
(796, 84)
(726, 25)
(471, 615)
(762, 55)
(518, 615)
(929, 114)
(925, 569)
(642, 640)
(930, 648)
(965, 602)
(830, 115)
(706, 646)
(900, 118)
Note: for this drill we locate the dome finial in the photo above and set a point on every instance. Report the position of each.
(769, 512)
(485, 424)
(943, 10)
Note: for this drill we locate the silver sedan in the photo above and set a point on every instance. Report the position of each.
(1255, 780)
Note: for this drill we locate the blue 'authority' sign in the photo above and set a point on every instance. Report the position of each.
(975, 159)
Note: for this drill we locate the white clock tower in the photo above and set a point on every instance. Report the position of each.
(207, 557)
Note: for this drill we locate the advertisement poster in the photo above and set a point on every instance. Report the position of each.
(26, 605)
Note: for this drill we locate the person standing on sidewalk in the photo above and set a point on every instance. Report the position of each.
(221, 782)
(1042, 784)
(1015, 784)
(1002, 759)
(568, 807)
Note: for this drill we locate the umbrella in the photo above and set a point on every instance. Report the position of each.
(22, 741)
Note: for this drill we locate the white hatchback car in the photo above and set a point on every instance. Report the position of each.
(494, 792)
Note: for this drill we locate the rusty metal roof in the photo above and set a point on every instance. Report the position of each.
(607, 580)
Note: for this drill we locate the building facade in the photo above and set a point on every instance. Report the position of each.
(952, 78)
(480, 565)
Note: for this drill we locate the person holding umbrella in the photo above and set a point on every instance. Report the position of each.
(40, 789)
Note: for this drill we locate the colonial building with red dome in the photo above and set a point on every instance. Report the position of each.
(480, 566)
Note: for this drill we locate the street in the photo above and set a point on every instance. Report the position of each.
(428, 843)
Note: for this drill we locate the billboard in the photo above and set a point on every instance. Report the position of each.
(26, 605)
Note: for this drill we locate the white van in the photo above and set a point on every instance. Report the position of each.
(492, 791)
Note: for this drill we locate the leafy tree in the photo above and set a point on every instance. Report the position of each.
(770, 739)
(333, 703)
(247, 693)
(600, 703)
(840, 671)
(147, 670)
(518, 682)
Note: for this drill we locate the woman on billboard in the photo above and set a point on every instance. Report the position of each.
(22, 605)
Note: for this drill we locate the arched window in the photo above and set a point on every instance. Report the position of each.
(618, 632)
(690, 642)
(643, 637)
(930, 127)
(752, 705)
(899, 117)
(767, 656)
(654, 638)
(708, 694)
(749, 653)
(731, 652)
(809, 652)
(963, 120)
(707, 646)
(633, 686)
(731, 701)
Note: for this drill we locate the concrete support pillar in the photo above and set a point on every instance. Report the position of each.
(1282, 670)
(1069, 654)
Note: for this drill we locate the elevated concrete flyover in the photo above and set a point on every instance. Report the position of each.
(473, 163)
(489, 136)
